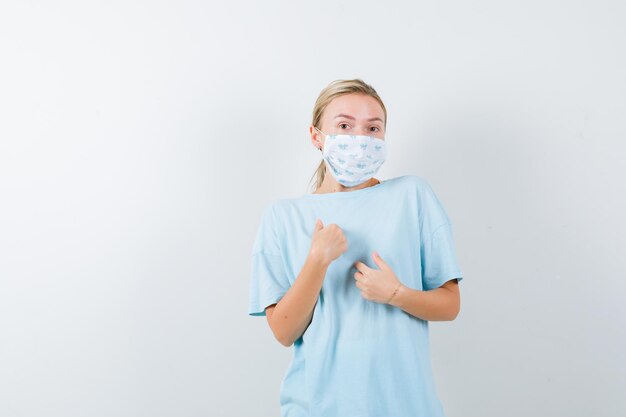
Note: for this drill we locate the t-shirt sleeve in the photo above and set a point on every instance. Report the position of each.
(437, 248)
(268, 279)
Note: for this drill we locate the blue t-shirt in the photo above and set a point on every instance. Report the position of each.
(358, 358)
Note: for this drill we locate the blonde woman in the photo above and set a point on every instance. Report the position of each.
(352, 273)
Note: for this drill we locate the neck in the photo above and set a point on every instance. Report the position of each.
(331, 186)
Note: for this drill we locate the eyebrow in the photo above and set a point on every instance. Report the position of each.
(347, 116)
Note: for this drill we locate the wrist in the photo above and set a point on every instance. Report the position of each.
(394, 295)
(318, 260)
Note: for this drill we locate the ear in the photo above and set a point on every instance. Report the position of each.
(316, 140)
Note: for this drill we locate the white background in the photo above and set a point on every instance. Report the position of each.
(140, 140)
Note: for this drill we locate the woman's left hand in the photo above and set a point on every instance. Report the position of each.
(376, 285)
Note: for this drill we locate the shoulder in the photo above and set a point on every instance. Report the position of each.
(270, 212)
(414, 182)
(278, 204)
(419, 187)
(279, 210)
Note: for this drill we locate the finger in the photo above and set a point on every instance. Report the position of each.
(358, 275)
(361, 266)
(379, 261)
(318, 225)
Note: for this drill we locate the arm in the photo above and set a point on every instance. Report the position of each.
(291, 316)
(439, 304)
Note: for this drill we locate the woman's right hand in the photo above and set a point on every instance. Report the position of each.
(327, 243)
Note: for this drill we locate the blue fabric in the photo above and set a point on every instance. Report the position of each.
(358, 358)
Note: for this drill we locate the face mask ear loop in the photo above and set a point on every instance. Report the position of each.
(320, 148)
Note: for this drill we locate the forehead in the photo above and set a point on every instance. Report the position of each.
(360, 106)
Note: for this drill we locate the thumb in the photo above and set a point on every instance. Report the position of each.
(379, 261)
(318, 225)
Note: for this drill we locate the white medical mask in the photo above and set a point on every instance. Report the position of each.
(353, 159)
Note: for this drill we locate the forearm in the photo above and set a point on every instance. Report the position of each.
(294, 311)
(432, 305)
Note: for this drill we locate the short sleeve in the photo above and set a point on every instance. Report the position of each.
(437, 247)
(439, 263)
(268, 279)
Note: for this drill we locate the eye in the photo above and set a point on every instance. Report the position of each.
(375, 127)
(343, 124)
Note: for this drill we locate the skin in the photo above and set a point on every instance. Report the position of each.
(291, 316)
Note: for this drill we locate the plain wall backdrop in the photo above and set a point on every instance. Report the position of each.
(140, 141)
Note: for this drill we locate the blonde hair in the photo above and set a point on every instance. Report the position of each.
(329, 93)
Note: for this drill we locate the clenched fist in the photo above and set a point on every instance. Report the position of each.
(327, 243)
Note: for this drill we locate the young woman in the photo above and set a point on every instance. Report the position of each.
(351, 274)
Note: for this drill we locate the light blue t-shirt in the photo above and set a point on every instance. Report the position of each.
(358, 358)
